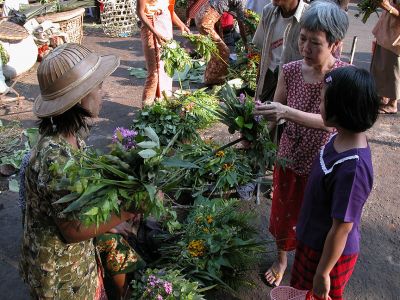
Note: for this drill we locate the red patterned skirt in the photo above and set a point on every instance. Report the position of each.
(287, 197)
(305, 264)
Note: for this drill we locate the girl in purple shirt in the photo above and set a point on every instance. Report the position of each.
(340, 181)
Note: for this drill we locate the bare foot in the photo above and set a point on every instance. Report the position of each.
(275, 273)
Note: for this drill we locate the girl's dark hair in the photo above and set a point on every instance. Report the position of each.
(70, 122)
(351, 99)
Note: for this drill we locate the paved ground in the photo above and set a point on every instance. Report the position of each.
(377, 274)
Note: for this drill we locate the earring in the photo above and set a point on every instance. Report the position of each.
(54, 125)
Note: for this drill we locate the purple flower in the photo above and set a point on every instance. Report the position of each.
(159, 297)
(258, 118)
(258, 102)
(242, 98)
(125, 136)
(168, 287)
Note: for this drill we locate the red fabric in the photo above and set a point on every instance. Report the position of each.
(287, 197)
(226, 21)
(305, 264)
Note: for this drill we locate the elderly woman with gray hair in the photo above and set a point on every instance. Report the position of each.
(297, 99)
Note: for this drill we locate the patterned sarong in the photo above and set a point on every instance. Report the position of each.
(305, 264)
(217, 67)
(287, 197)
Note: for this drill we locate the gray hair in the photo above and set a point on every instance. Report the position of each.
(326, 16)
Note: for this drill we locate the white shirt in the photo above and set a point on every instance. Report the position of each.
(277, 41)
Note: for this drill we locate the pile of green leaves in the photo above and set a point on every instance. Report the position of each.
(175, 58)
(217, 246)
(218, 171)
(101, 185)
(203, 45)
(366, 9)
(167, 122)
(165, 284)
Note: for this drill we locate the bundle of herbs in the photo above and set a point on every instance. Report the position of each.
(367, 8)
(128, 178)
(167, 284)
(203, 45)
(219, 169)
(217, 246)
(175, 58)
(251, 21)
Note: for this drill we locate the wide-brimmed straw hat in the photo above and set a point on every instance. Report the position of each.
(67, 74)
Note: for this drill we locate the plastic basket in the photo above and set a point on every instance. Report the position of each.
(118, 18)
(287, 293)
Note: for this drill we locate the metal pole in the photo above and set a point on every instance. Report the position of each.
(353, 49)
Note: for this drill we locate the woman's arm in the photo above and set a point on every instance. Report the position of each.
(75, 231)
(140, 11)
(276, 110)
(178, 22)
(333, 249)
(392, 9)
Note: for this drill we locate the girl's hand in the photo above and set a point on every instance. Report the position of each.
(272, 111)
(321, 285)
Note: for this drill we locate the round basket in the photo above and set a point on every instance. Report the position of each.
(71, 23)
(118, 18)
(287, 293)
(12, 32)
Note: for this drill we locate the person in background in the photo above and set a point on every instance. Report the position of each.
(277, 37)
(297, 100)
(157, 17)
(58, 256)
(328, 229)
(206, 18)
(385, 64)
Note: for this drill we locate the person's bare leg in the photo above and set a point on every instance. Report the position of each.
(119, 281)
(275, 273)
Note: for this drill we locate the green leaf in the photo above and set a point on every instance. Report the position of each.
(13, 185)
(175, 162)
(69, 163)
(248, 125)
(148, 153)
(67, 198)
(151, 190)
(239, 121)
(147, 144)
(92, 212)
(150, 133)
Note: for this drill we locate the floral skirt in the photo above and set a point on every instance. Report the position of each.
(117, 256)
(287, 197)
(305, 264)
(217, 67)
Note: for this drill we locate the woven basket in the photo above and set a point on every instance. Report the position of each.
(287, 293)
(71, 23)
(12, 32)
(118, 18)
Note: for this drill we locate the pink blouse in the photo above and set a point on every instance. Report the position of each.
(299, 144)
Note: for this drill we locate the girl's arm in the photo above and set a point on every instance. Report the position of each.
(75, 231)
(140, 11)
(178, 22)
(276, 110)
(333, 249)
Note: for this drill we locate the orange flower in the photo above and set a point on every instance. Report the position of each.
(220, 154)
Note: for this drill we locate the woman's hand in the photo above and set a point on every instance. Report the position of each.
(272, 111)
(123, 229)
(184, 29)
(321, 285)
(161, 39)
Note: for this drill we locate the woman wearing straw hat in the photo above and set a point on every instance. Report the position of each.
(58, 255)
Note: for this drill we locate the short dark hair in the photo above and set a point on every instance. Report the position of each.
(351, 99)
(70, 122)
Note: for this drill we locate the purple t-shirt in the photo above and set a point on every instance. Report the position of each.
(338, 186)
